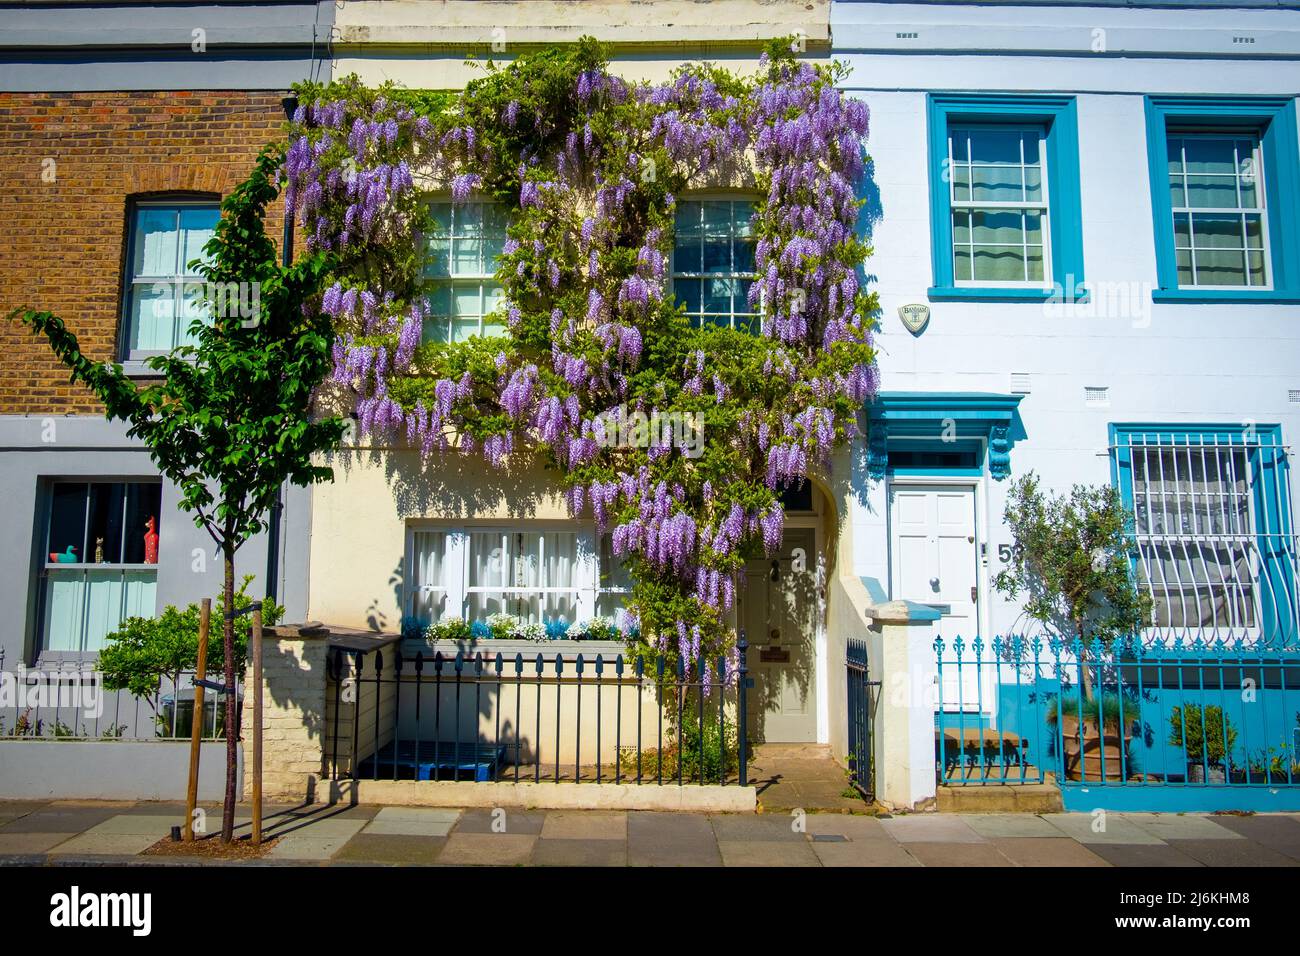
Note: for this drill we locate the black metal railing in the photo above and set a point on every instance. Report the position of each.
(860, 704)
(537, 718)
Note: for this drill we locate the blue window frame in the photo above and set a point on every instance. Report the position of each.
(1212, 522)
(1004, 197)
(1208, 156)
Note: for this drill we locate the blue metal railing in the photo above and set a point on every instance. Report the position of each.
(1170, 714)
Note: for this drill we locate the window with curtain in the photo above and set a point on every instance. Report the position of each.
(614, 586)
(713, 262)
(164, 294)
(464, 296)
(997, 177)
(1216, 192)
(529, 574)
(100, 564)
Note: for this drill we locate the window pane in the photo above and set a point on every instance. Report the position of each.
(1217, 232)
(1184, 258)
(429, 576)
(143, 502)
(744, 252)
(155, 242)
(997, 227)
(561, 550)
(65, 606)
(1034, 264)
(717, 296)
(104, 535)
(1000, 146)
(1258, 270)
(689, 292)
(1220, 267)
(742, 213)
(996, 184)
(488, 558)
(466, 301)
(994, 263)
(198, 225)
(467, 257)
(151, 312)
(962, 263)
(67, 520)
(1212, 156)
(439, 262)
(1212, 192)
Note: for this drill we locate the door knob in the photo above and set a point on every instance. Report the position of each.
(934, 584)
(974, 594)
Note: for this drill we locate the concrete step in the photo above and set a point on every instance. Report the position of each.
(1001, 798)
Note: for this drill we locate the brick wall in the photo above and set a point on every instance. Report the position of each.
(62, 242)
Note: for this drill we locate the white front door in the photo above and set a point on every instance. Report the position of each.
(935, 561)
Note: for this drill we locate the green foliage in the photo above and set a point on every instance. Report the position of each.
(144, 650)
(1204, 731)
(1107, 708)
(1070, 561)
(713, 753)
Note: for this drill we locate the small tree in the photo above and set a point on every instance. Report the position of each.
(230, 420)
(1070, 561)
(142, 651)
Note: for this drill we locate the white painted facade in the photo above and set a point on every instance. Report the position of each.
(1230, 364)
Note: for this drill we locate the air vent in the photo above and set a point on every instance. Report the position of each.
(1096, 395)
(1020, 383)
(1293, 396)
(906, 36)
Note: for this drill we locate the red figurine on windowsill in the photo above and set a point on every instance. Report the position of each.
(150, 541)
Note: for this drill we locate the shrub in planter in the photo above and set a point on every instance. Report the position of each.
(1088, 752)
(1208, 735)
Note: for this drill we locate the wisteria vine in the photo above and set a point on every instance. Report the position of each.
(590, 168)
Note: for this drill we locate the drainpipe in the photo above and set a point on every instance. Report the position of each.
(290, 104)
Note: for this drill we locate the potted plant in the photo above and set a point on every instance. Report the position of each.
(1208, 737)
(1271, 765)
(1094, 734)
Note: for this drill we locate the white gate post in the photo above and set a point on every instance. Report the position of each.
(904, 632)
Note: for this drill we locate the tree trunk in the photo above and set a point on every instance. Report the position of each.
(228, 678)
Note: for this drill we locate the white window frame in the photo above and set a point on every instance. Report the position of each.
(970, 206)
(180, 282)
(1257, 162)
(456, 586)
(85, 567)
(731, 274)
(454, 281)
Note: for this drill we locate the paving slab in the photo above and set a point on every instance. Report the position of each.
(585, 825)
(565, 852)
(767, 853)
(930, 828)
(391, 848)
(60, 820)
(865, 852)
(1009, 825)
(315, 841)
(931, 853)
(96, 842)
(487, 849)
(1181, 826)
(39, 842)
(138, 824)
(1241, 852)
(670, 839)
(1046, 851)
(490, 821)
(412, 821)
(854, 827)
(1142, 854)
(1114, 829)
(1276, 831)
(763, 828)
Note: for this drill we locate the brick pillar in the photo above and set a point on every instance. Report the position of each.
(293, 719)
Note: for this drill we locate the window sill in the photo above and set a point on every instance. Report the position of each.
(993, 294)
(1267, 296)
(135, 368)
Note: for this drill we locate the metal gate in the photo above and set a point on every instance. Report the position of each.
(861, 708)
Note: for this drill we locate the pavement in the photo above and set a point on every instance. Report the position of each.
(62, 832)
